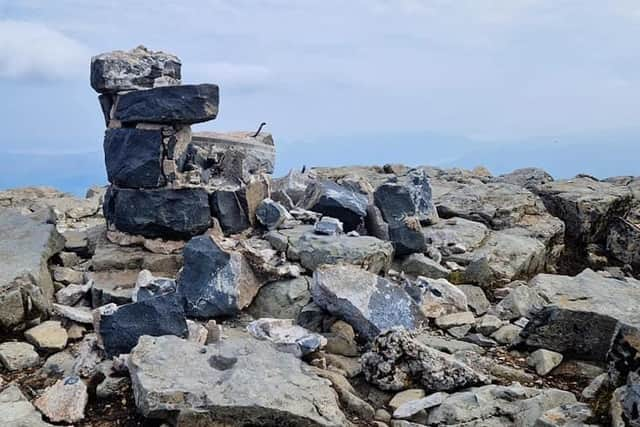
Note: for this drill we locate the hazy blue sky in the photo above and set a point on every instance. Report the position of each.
(425, 82)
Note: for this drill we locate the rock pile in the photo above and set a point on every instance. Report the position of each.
(210, 294)
(157, 169)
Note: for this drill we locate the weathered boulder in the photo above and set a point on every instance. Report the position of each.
(437, 297)
(584, 313)
(139, 68)
(369, 303)
(216, 384)
(586, 206)
(26, 289)
(623, 242)
(133, 157)
(283, 299)
(368, 252)
(571, 414)
(236, 208)
(544, 361)
(49, 335)
(186, 104)
(16, 411)
(420, 265)
(397, 361)
(158, 213)
(495, 405)
(120, 328)
(528, 178)
(214, 282)
(271, 214)
(331, 199)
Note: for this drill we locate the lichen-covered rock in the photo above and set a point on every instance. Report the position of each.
(214, 282)
(623, 242)
(238, 380)
(139, 68)
(397, 361)
(369, 303)
(65, 401)
(437, 297)
(282, 299)
(26, 288)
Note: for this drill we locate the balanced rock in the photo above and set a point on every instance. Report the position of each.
(215, 282)
(369, 303)
(397, 361)
(121, 327)
(139, 68)
(26, 288)
(159, 212)
(186, 104)
(331, 199)
(217, 384)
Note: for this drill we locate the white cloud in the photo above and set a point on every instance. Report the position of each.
(30, 50)
(227, 74)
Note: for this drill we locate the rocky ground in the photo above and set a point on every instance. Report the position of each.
(360, 296)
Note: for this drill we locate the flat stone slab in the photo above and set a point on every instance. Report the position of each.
(17, 411)
(15, 356)
(26, 289)
(239, 380)
(186, 104)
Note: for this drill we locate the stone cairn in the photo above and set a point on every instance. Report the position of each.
(166, 181)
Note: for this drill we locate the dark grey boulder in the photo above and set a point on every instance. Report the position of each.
(331, 199)
(157, 316)
(214, 282)
(271, 214)
(185, 104)
(168, 213)
(228, 207)
(139, 68)
(134, 157)
(623, 242)
(369, 303)
(404, 205)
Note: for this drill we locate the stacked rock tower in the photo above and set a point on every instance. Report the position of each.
(166, 181)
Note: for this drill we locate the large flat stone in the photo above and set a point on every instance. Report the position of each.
(173, 214)
(236, 381)
(584, 313)
(185, 104)
(369, 303)
(17, 411)
(26, 288)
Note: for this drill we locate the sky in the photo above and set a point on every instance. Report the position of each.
(504, 83)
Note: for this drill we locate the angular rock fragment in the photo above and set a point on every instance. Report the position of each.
(369, 303)
(64, 401)
(139, 68)
(420, 265)
(158, 213)
(495, 405)
(26, 288)
(437, 297)
(49, 335)
(283, 299)
(16, 356)
(397, 361)
(216, 384)
(286, 336)
(214, 282)
(314, 250)
(121, 327)
(328, 226)
(544, 361)
(133, 157)
(623, 242)
(186, 104)
(16, 411)
(529, 178)
(331, 199)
